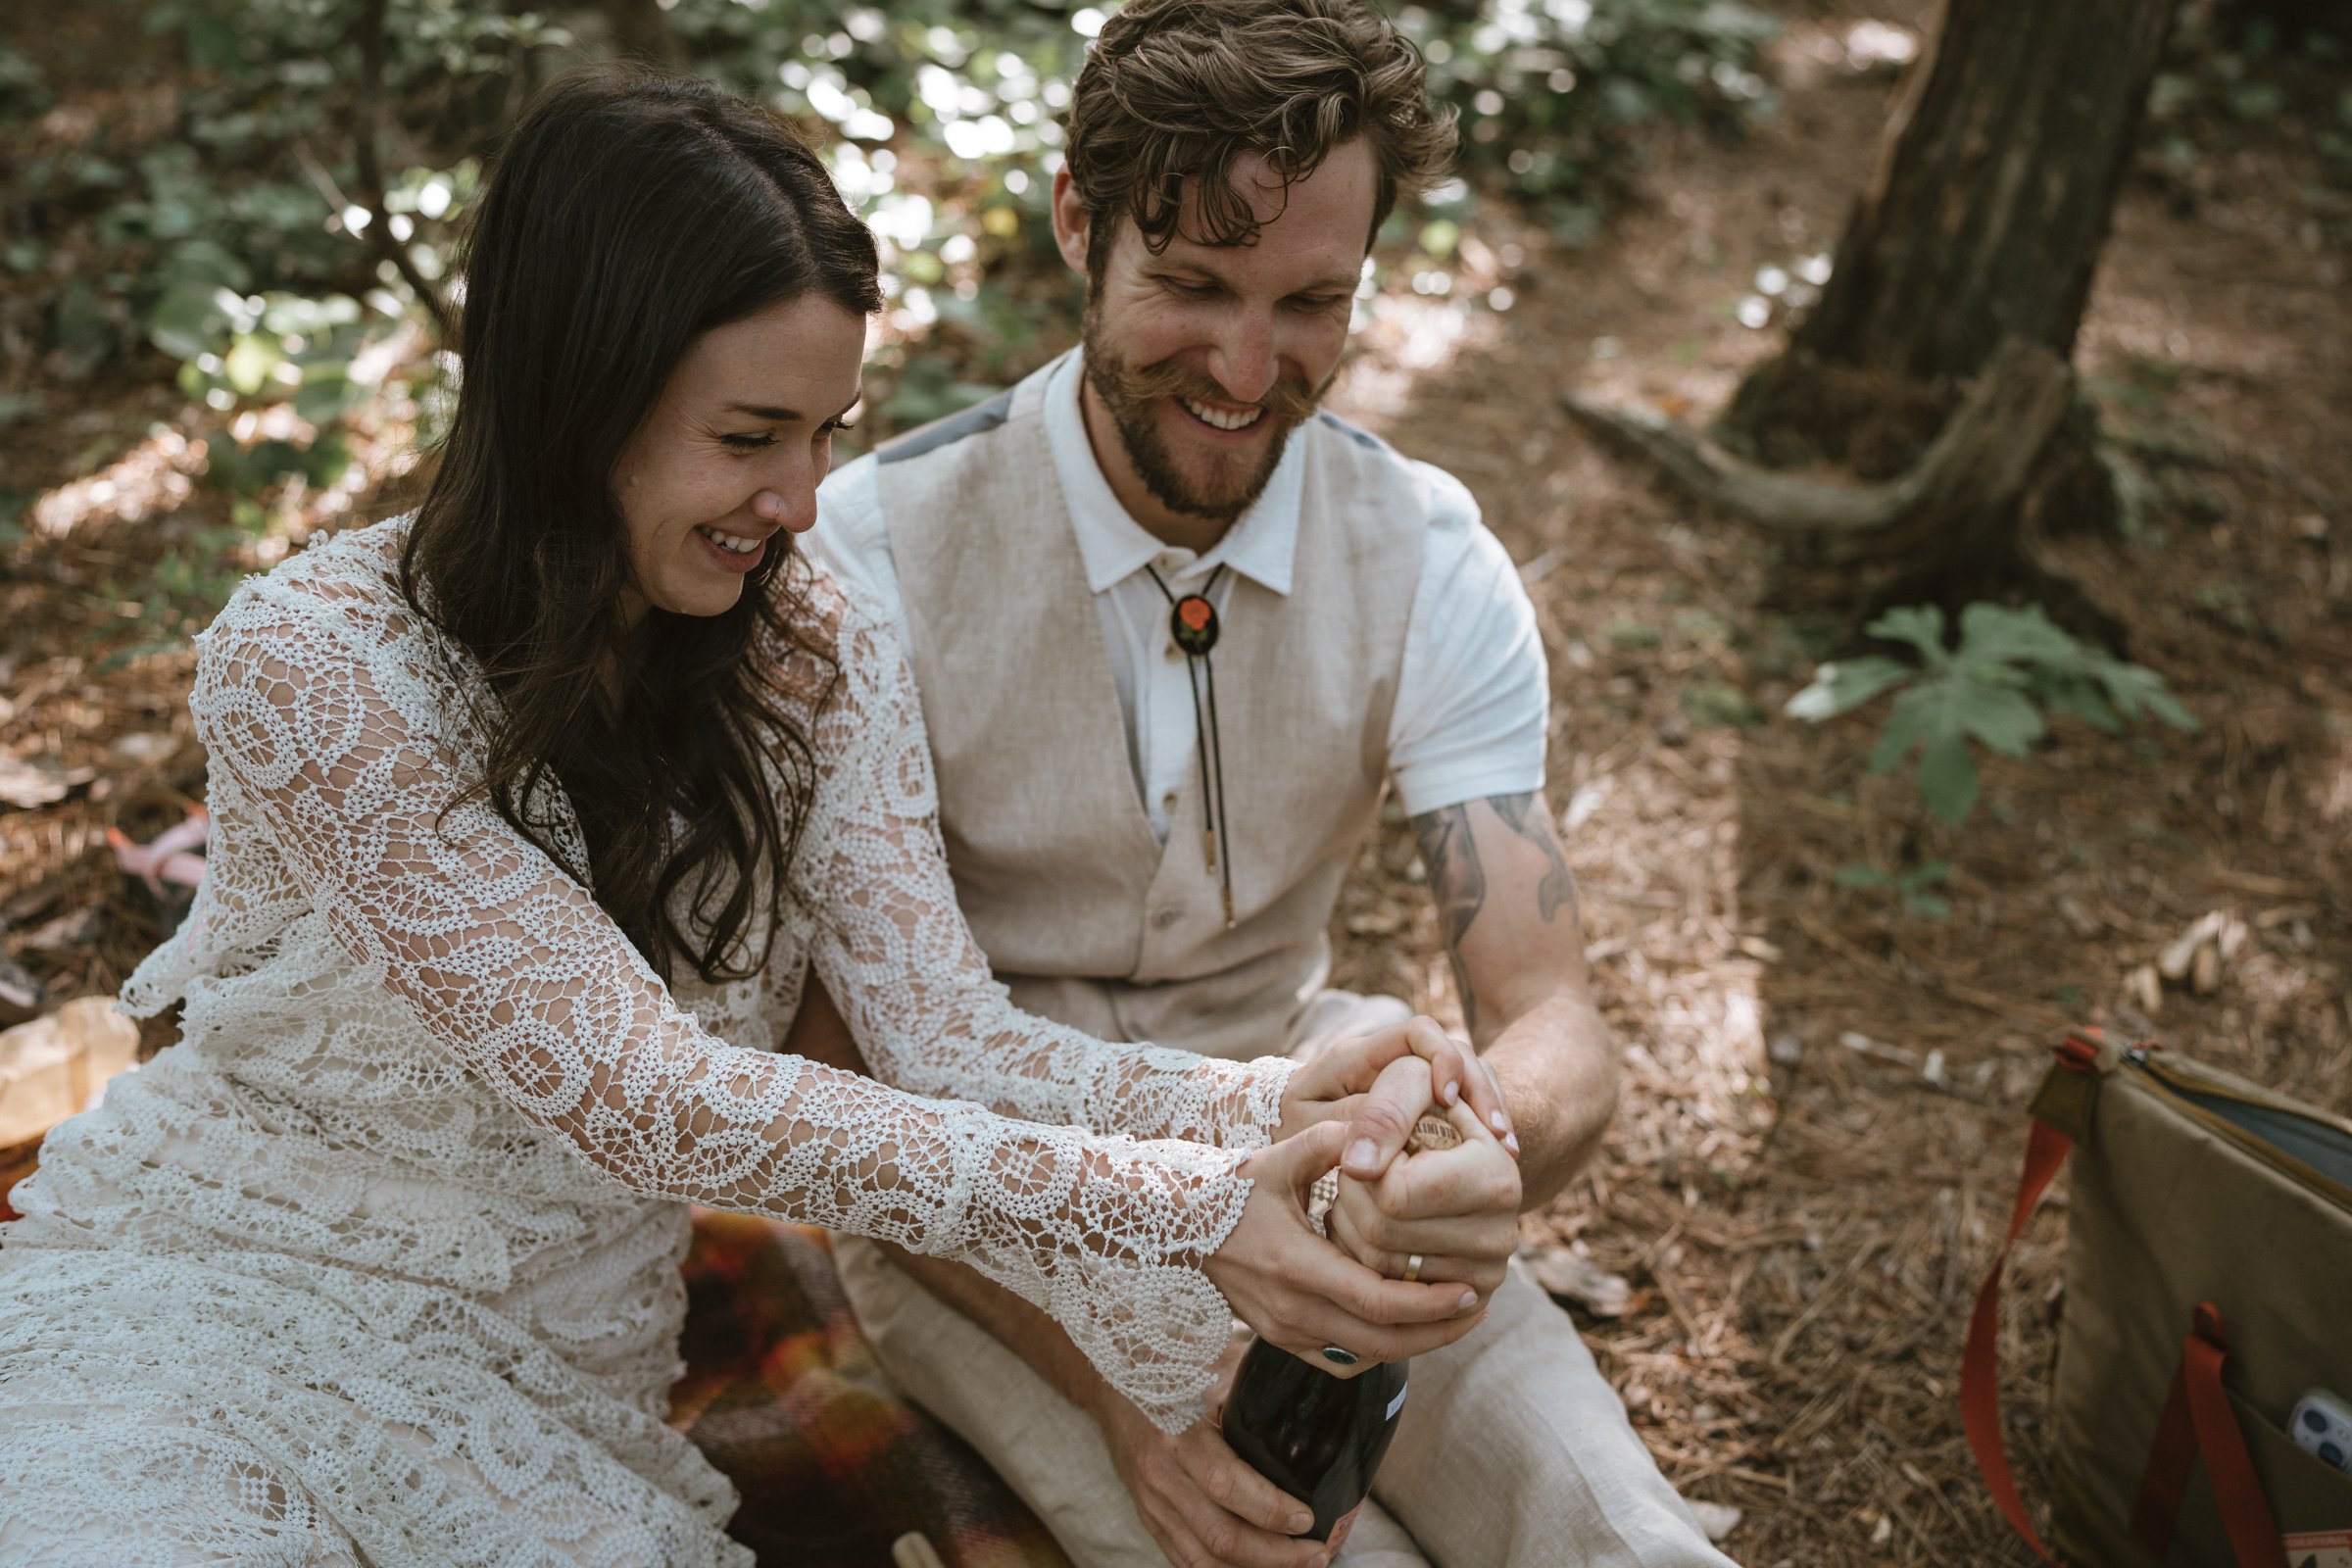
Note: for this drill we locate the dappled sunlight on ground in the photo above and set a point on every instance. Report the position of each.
(151, 480)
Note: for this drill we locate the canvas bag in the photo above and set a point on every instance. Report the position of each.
(2208, 1285)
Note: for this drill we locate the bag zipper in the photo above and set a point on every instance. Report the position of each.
(2183, 1088)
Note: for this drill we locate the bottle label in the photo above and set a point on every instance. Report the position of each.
(1395, 1404)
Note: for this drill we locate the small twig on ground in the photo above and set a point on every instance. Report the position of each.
(1829, 1292)
(1946, 1291)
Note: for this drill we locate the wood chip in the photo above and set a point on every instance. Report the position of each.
(2176, 959)
(2205, 971)
(1861, 1045)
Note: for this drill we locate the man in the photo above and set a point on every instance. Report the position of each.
(1175, 632)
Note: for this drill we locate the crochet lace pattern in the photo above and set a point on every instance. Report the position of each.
(380, 1262)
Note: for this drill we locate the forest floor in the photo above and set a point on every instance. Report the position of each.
(1824, 1097)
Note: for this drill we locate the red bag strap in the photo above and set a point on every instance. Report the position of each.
(2171, 1457)
(2197, 1418)
(2046, 1149)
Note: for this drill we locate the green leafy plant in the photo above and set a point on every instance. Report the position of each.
(1915, 887)
(2010, 669)
(1550, 90)
(237, 235)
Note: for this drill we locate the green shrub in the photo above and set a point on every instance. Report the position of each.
(2010, 669)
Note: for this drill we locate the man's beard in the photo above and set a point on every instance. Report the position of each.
(1129, 394)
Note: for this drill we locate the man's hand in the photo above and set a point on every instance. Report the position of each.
(1284, 1280)
(1457, 1208)
(1367, 1081)
(1200, 1499)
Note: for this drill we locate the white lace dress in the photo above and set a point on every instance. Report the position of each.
(380, 1263)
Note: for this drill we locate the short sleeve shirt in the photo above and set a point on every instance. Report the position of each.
(1473, 696)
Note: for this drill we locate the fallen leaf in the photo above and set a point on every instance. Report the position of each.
(76, 929)
(146, 749)
(40, 782)
(21, 995)
(1717, 1519)
(1562, 1273)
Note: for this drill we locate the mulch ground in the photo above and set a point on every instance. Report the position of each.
(1823, 1115)
(1824, 1096)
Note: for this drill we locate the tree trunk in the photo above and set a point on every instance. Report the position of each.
(1985, 219)
(641, 31)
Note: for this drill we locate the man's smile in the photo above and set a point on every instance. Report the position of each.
(1221, 417)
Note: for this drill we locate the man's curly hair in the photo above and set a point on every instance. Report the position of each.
(1176, 90)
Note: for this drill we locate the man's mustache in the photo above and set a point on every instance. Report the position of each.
(1288, 400)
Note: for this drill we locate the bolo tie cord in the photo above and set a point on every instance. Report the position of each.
(1193, 623)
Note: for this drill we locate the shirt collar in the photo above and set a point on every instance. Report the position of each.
(1261, 544)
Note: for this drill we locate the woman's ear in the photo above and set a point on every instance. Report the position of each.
(1073, 221)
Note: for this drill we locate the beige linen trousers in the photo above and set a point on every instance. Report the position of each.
(1512, 1450)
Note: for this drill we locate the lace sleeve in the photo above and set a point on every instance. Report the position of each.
(330, 743)
(913, 983)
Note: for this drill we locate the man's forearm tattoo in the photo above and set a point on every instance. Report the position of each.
(1457, 879)
(1458, 883)
(1524, 815)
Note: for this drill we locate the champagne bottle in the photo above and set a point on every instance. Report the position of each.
(1317, 1437)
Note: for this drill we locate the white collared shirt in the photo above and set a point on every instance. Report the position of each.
(1472, 698)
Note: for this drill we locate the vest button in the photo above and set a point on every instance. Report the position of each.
(1164, 919)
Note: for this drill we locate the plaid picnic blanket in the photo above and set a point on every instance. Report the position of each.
(783, 1394)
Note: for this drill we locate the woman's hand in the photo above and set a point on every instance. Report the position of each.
(1302, 1294)
(1360, 1082)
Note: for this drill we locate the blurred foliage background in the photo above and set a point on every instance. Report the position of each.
(273, 231)
(266, 231)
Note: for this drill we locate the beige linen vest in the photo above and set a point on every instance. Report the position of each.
(1082, 911)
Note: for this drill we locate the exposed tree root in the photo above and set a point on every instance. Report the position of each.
(1948, 530)
(1977, 465)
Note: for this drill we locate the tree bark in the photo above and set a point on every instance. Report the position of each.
(1992, 197)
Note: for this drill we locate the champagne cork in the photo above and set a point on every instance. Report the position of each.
(1432, 1132)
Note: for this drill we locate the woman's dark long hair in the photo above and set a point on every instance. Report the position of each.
(629, 214)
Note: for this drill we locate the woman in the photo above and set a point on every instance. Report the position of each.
(530, 815)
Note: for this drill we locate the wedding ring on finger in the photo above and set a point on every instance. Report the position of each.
(1412, 1269)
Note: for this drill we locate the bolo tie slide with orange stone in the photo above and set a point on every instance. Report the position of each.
(1193, 624)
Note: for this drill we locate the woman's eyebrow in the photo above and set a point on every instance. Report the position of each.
(764, 411)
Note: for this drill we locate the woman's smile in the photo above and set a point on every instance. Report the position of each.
(734, 551)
